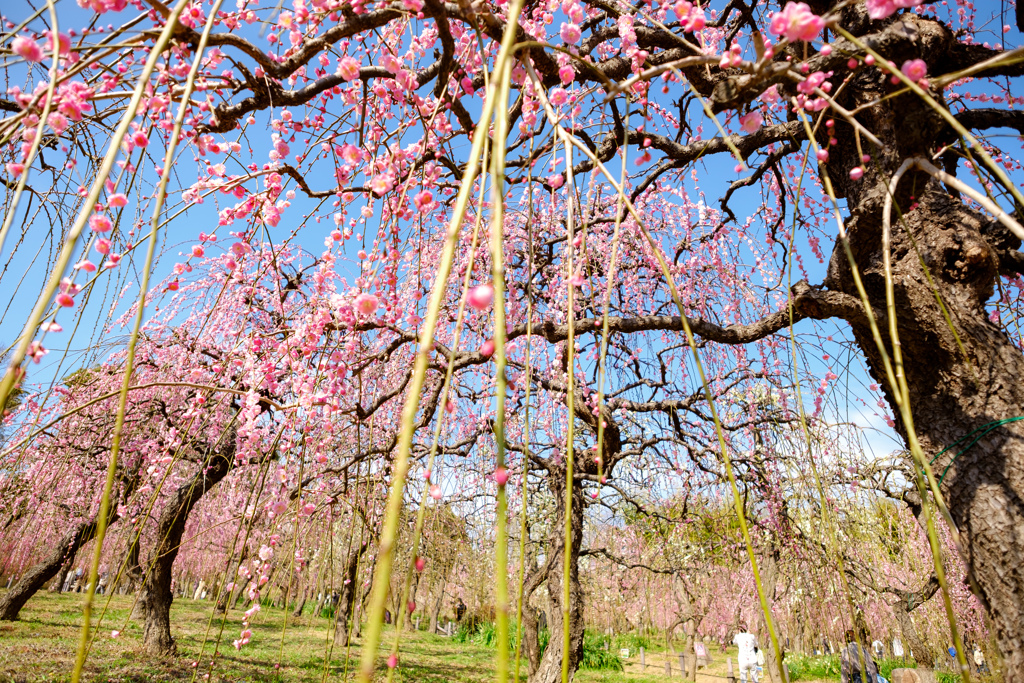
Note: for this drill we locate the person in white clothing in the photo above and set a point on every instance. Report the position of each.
(747, 655)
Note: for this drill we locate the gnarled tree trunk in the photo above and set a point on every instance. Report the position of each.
(347, 597)
(550, 668)
(297, 612)
(156, 594)
(922, 653)
(769, 580)
(958, 383)
(36, 576)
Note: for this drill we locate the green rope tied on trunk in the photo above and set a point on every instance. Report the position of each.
(981, 433)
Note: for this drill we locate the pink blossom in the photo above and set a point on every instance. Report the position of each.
(27, 49)
(914, 69)
(421, 563)
(58, 122)
(751, 122)
(500, 476)
(115, 633)
(86, 265)
(435, 492)
(348, 68)
(691, 17)
(481, 296)
(487, 348)
(36, 351)
(413, 5)
(559, 97)
(99, 222)
(367, 304)
(812, 82)
(567, 74)
(880, 9)
(117, 201)
(112, 261)
(856, 173)
(15, 169)
(140, 139)
(64, 299)
(392, 660)
(796, 22)
(423, 200)
(102, 245)
(51, 326)
(570, 33)
(380, 184)
(555, 180)
(771, 95)
(63, 43)
(198, 251)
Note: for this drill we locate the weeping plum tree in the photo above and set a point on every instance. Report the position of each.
(363, 112)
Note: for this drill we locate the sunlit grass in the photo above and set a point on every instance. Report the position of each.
(41, 647)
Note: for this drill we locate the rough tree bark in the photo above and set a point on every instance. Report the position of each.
(297, 612)
(435, 612)
(36, 576)
(58, 583)
(953, 392)
(907, 602)
(347, 597)
(550, 669)
(155, 595)
(531, 639)
(769, 581)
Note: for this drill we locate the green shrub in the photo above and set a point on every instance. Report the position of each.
(464, 634)
(634, 641)
(483, 633)
(596, 657)
(812, 667)
(886, 665)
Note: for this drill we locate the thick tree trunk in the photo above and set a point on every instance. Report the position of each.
(435, 613)
(347, 597)
(907, 603)
(954, 391)
(769, 580)
(531, 640)
(156, 588)
(319, 609)
(36, 576)
(297, 612)
(58, 583)
(550, 669)
(442, 583)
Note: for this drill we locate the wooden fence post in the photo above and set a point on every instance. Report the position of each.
(643, 664)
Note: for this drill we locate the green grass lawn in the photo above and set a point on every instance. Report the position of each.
(41, 647)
